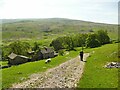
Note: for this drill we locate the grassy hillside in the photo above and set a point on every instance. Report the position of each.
(21, 72)
(95, 74)
(44, 31)
(45, 28)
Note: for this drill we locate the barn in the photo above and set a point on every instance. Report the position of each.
(47, 52)
(14, 59)
(44, 54)
(37, 56)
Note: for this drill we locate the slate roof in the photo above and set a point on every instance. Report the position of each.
(23, 56)
(12, 56)
(47, 50)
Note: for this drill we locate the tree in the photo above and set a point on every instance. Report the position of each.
(103, 37)
(57, 43)
(69, 42)
(5, 52)
(19, 47)
(92, 41)
(82, 39)
(36, 46)
(61, 52)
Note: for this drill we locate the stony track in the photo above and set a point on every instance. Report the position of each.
(66, 75)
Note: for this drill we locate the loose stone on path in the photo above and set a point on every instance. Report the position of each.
(66, 75)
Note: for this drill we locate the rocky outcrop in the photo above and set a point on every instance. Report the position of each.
(113, 65)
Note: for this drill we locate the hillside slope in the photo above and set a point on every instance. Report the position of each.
(43, 28)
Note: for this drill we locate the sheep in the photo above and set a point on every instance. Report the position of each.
(48, 60)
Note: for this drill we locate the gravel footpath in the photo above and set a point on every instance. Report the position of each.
(66, 75)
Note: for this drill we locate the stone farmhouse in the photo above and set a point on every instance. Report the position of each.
(14, 59)
(44, 54)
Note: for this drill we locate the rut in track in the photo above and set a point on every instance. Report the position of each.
(66, 75)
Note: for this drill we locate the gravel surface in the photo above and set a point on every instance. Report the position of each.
(66, 75)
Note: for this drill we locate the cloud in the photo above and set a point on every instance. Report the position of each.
(94, 10)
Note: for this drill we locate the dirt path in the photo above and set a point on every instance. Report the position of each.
(65, 75)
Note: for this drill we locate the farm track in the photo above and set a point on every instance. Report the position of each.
(66, 75)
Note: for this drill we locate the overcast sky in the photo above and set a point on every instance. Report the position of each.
(104, 11)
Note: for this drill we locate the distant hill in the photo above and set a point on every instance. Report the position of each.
(51, 27)
(9, 20)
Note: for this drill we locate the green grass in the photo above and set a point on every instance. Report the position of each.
(113, 35)
(11, 75)
(45, 28)
(4, 63)
(95, 75)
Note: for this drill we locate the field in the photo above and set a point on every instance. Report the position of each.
(43, 31)
(19, 73)
(95, 75)
(94, 68)
(51, 28)
(4, 63)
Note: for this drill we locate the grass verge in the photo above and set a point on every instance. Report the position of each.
(95, 74)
